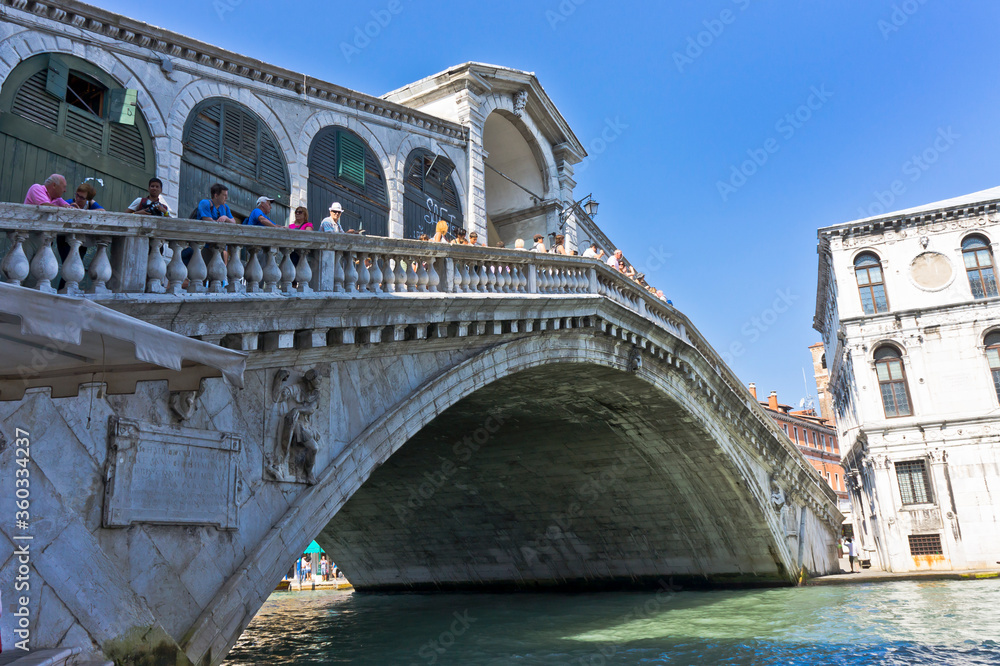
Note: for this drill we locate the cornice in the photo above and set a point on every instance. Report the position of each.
(173, 45)
(898, 221)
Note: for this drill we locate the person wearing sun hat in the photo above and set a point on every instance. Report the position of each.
(332, 223)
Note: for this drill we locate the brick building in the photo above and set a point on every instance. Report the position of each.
(816, 439)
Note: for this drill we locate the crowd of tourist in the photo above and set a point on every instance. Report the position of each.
(215, 209)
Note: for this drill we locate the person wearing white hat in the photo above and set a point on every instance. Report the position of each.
(332, 223)
(259, 215)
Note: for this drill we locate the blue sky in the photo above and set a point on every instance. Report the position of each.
(830, 101)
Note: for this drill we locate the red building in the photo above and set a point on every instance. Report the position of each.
(815, 437)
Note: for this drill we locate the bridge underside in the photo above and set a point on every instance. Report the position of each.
(568, 476)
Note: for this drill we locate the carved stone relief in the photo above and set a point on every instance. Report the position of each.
(293, 455)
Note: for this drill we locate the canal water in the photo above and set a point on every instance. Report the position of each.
(932, 622)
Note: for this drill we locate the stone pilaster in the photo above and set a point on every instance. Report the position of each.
(470, 103)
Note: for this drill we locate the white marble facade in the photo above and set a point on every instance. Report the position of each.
(922, 446)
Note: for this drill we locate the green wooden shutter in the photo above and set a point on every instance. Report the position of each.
(33, 103)
(122, 106)
(351, 159)
(57, 77)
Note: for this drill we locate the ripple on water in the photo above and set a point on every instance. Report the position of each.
(940, 622)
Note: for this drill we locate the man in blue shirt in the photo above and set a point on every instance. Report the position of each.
(258, 217)
(215, 209)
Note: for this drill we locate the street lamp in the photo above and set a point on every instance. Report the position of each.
(591, 207)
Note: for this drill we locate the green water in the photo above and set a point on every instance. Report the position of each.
(933, 622)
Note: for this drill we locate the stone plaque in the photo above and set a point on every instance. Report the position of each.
(170, 475)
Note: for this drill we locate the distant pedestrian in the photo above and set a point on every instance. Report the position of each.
(48, 193)
(441, 232)
(539, 245)
(215, 208)
(852, 555)
(593, 252)
(259, 215)
(151, 204)
(519, 244)
(84, 198)
(301, 220)
(474, 239)
(460, 238)
(331, 224)
(615, 261)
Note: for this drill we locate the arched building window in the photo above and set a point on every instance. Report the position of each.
(892, 382)
(225, 142)
(992, 343)
(61, 114)
(429, 194)
(343, 168)
(979, 266)
(871, 284)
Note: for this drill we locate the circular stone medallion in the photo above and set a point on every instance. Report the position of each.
(931, 270)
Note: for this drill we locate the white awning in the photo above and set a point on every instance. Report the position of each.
(61, 342)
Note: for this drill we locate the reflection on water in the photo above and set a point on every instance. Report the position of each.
(934, 622)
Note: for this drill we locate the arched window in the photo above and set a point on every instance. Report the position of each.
(62, 114)
(343, 168)
(979, 266)
(225, 142)
(892, 382)
(429, 194)
(992, 342)
(870, 283)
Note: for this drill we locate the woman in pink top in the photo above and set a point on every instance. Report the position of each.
(301, 220)
(49, 193)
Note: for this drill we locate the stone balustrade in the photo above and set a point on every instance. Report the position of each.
(102, 254)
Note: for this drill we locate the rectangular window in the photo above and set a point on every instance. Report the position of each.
(914, 486)
(784, 426)
(796, 431)
(925, 544)
(836, 478)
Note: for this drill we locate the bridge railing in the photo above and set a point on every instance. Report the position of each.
(102, 254)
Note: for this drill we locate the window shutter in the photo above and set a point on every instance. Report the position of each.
(34, 104)
(125, 143)
(351, 162)
(84, 127)
(122, 106)
(57, 77)
(203, 136)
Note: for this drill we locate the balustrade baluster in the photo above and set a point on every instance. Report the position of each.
(287, 271)
(433, 278)
(491, 279)
(483, 279)
(421, 275)
(44, 266)
(350, 273)
(389, 275)
(272, 274)
(254, 272)
(234, 271)
(473, 278)
(543, 280)
(508, 279)
(524, 279)
(15, 264)
(176, 270)
(564, 281)
(100, 268)
(375, 285)
(338, 271)
(156, 267)
(401, 275)
(411, 275)
(303, 272)
(216, 270)
(364, 275)
(462, 270)
(197, 270)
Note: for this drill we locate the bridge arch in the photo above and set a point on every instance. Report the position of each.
(746, 493)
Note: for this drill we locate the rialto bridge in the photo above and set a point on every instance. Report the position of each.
(437, 417)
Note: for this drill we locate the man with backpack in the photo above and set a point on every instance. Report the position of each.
(151, 205)
(215, 209)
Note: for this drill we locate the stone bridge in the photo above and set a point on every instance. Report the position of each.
(437, 417)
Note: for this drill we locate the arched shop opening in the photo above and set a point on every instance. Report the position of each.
(225, 142)
(515, 181)
(429, 194)
(343, 168)
(61, 114)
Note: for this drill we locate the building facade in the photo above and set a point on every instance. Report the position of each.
(909, 311)
(114, 101)
(816, 439)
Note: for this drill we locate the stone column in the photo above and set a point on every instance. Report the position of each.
(470, 102)
(951, 536)
(564, 164)
(886, 513)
